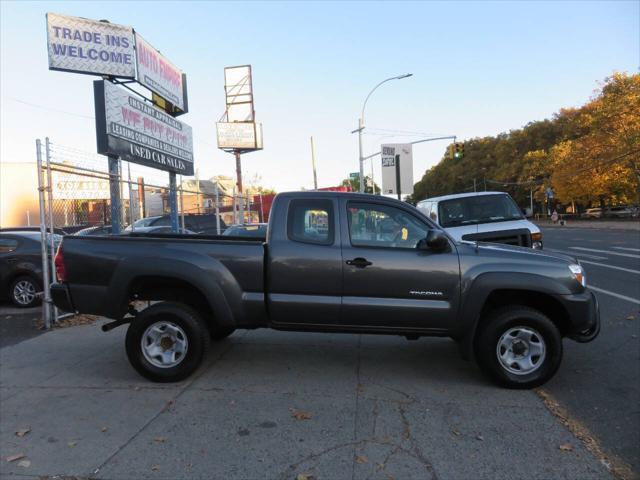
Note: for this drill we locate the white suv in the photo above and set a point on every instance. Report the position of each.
(482, 216)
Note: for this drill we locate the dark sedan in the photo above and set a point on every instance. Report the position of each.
(21, 266)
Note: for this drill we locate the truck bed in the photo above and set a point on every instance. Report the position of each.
(99, 269)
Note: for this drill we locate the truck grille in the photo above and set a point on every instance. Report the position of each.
(520, 237)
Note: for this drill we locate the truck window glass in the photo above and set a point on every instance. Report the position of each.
(372, 225)
(311, 221)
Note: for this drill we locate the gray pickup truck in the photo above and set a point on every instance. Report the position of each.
(331, 262)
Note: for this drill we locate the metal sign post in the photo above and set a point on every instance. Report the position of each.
(114, 190)
(173, 201)
(46, 306)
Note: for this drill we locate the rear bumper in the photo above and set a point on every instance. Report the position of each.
(61, 297)
(584, 316)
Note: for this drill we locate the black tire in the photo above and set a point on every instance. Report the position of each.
(501, 321)
(190, 324)
(222, 333)
(18, 284)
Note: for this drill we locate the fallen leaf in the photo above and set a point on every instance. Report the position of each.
(155, 468)
(13, 458)
(24, 463)
(72, 444)
(361, 459)
(456, 432)
(566, 447)
(23, 431)
(300, 415)
(480, 437)
(104, 429)
(631, 317)
(159, 439)
(304, 476)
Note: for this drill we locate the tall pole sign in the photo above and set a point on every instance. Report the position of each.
(237, 131)
(128, 126)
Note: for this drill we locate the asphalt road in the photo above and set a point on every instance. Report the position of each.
(599, 383)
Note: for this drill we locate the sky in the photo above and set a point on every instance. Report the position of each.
(479, 68)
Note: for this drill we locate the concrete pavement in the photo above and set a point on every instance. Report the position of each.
(274, 405)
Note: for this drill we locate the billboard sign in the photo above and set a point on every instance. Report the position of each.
(397, 158)
(238, 87)
(159, 75)
(241, 136)
(128, 127)
(87, 46)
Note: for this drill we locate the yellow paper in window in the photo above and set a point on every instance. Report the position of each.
(405, 233)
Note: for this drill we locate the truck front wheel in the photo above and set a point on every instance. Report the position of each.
(518, 347)
(167, 342)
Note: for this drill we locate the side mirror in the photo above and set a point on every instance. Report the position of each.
(436, 241)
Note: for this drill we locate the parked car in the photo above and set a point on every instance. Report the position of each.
(158, 229)
(328, 266)
(21, 266)
(596, 212)
(95, 230)
(483, 216)
(203, 224)
(258, 230)
(618, 212)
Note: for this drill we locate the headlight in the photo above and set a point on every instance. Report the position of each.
(579, 274)
(536, 240)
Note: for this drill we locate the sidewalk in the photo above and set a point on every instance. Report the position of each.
(633, 225)
(274, 405)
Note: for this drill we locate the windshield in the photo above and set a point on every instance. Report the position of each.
(478, 209)
(143, 222)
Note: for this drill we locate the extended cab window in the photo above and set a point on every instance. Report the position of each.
(372, 225)
(311, 221)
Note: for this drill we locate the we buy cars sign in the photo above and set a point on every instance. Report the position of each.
(128, 127)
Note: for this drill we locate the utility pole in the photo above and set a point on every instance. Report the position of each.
(313, 164)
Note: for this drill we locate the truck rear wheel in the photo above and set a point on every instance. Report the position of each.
(519, 347)
(167, 342)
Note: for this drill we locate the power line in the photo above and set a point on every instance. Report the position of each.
(42, 107)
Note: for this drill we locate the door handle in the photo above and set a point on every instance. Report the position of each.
(359, 262)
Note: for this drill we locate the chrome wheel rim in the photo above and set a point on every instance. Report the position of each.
(164, 344)
(24, 292)
(521, 350)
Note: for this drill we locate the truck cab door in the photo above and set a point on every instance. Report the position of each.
(304, 262)
(389, 282)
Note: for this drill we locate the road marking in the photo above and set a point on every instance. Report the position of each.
(628, 249)
(631, 255)
(592, 257)
(613, 294)
(610, 266)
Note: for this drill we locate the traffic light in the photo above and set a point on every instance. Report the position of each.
(458, 150)
(451, 151)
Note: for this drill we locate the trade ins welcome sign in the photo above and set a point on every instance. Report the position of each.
(86, 46)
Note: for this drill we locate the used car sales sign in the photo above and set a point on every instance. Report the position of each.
(128, 127)
(86, 46)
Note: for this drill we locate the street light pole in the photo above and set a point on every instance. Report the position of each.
(361, 126)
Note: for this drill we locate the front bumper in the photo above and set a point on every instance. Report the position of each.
(584, 316)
